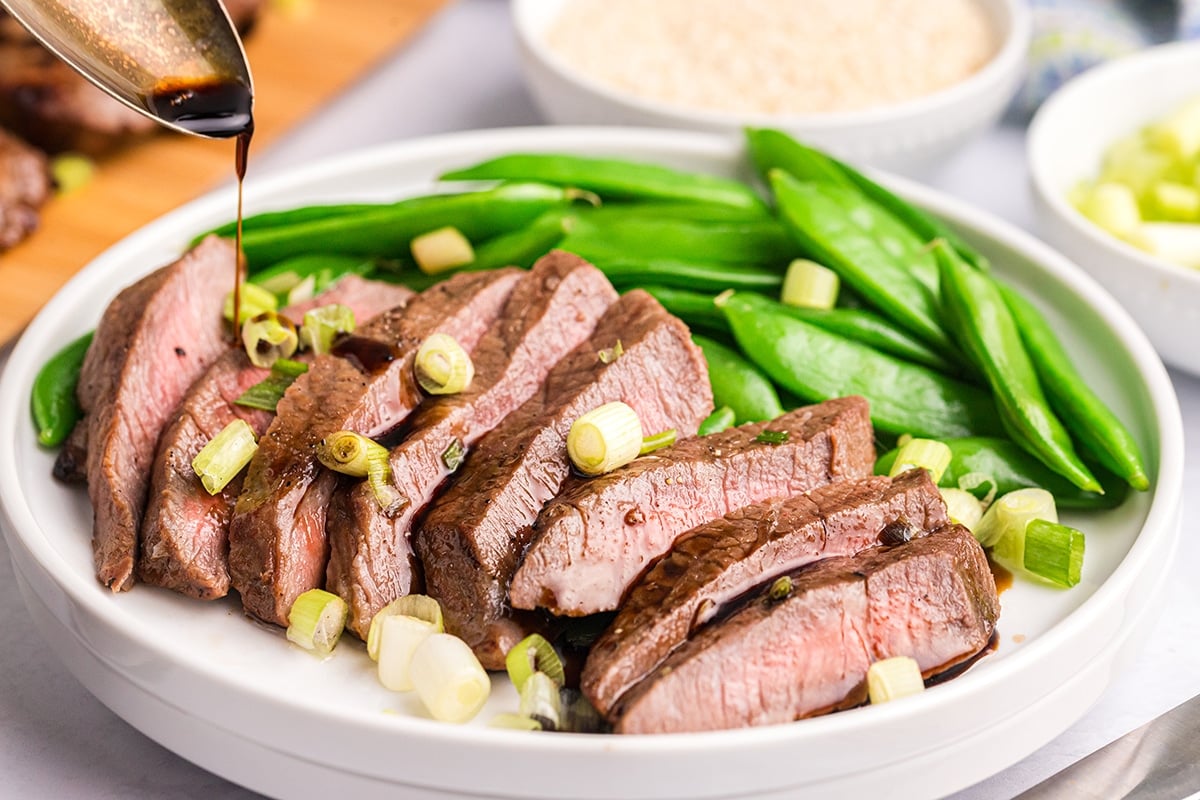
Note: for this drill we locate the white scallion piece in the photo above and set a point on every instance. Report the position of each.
(448, 678)
(1003, 525)
(268, 337)
(302, 290)
(255, 300)
(515, 722)
(442, 366)
(605, 438)
(963, 507)
(540, 700)
(225, 455)
(316, 621)
(355, 455)
(420, 606)
(893, 678)
(399, 637)
(322, 325)
(928, 454)
(442, 250)
(809, 285)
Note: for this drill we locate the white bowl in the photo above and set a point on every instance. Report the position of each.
(908, 138)
(1067, 141)
(238, 700)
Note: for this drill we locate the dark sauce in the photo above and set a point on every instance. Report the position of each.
(1002, 576)
(367, 355)
(958, 669)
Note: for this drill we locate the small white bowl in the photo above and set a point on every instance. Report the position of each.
(1067, 141)
(908, 137)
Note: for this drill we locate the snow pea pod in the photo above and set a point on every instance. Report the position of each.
(871, 329)
(772, 149)
(611, 178)
(1010, 467)
(817, 365)
(719, 420)
(53, 402)
(1085, 415)
(291, 216)
(738, 384)
(694, 308)
(820, 218)
(762, 242)
(979, 316)
(627, 272)
(522, 247)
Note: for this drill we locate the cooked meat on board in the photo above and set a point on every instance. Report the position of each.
(25, 186)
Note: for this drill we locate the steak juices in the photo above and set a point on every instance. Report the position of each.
(680, 543)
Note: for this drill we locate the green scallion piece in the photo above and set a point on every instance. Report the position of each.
(1054, 552)
(928, 454)
(255, 300)
(268, 337)
(316, 621)
(721, 419)
(267, 393)
(540, 700)
(808, 284)
(355, 455)
(454, 455)
(772, 437)
(533, 654)
(604, 438)
(322, 325)
(225, 455)
(514, 722)
(442, 366)
(658, 441)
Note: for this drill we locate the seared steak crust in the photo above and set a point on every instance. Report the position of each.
(24, 187)
(277, 543)
(474, 533)
(775, 660)
(552, 310)
(716, 562)
(594, 540)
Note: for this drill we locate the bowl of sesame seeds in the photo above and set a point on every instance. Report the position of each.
(896, 84)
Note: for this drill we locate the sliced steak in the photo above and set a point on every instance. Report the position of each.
(775, 660)
(185, 542)
(716, 562)
(277, 543)
(24, 187)
(473, 535)
(155, 338)
(594, 540)
(552, 310)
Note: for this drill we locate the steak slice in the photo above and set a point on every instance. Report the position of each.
(24, 187)
(277, 543)
(185, 533)
(553, 309)
(773, 660)
(716, 562)
(473, 535)
(155, 338)
(595, 539)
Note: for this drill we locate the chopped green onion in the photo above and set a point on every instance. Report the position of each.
(322, 325)
(442, 366)
(71, 171)
(454, 455)
(1176, 201)
(268, 337)
(928, 454)
(1177, 242)
(267, 393)
(540, 700)
(316, 621)
(720, 420)
(772, 437)
(809, 285)
(781, 589)
(225, 455)
(962, 507)
(1003, 525)
(398, 638)
(972, 481)
(1112, 206)
(355, 455)
(514, 722)
(1054, 552)
(611, 354)
(1179, 132)
(442, 250)
(893, 678)
(303, 291)
(255, 300)
(533, 654)
(421, 606)
(658, 441)
(604, 438)
(449, 678)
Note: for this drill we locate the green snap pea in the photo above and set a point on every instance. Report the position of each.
(978, 314)
(772, 149)
(761, 242)
(611, 178)
(817, 365)
(1011, 468)
(738, 384)
(719, 420)
(820, 217)
(522, 247)
(291, 216)
(387, 231)
(628, 272)
(675, 210)
(694, 308)
(871, 329)
(1085, 415)
(53, 401)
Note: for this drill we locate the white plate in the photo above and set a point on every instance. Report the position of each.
(238, 700)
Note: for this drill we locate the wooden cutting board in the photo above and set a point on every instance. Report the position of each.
(300, 57)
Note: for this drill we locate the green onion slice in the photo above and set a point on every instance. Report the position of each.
(267, 393)
(355, 455)
(772, 437)
(255, 301)
(420, 606)
(893, 678)
(962, 507)
(781, 589)
(533, 654)
(514, 722)
(1003, 525)
(720, 420)
(442, 366)
(928, 454)
(1054, 552)
(316, 621)
(454, 455)
(442, 250)
(269, 337)
(611, 354)
(658, 441)
(809, 285)
(225, 455)
(322, 325)
(604, 438)
(449, 678)
(399, 636)
(540, 700)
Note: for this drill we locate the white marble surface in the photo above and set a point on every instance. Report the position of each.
(56, 740)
